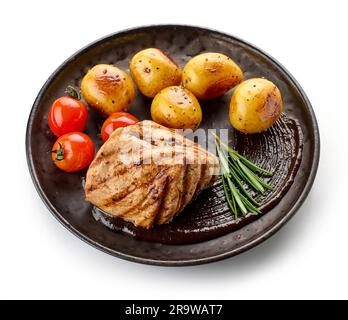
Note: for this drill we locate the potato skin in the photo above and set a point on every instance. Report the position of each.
(176, 107)
(255, 106)
(210, 75)
(152, 70)
(108, 89)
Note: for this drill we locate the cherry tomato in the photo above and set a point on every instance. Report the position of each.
(67, 115)
(73, 151)
(116, 120)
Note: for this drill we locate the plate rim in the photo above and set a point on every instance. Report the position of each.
(187, 262)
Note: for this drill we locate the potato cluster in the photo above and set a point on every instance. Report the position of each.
(255, 104)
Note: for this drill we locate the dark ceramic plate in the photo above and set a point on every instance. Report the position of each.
(63, 193)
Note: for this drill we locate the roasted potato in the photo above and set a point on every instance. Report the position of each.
(108, 89)
(152, 70)
(255, 106)
(210, 75)
(176, 107)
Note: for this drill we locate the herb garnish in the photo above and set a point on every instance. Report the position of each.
(236, 171)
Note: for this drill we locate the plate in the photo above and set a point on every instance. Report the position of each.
(63, 193)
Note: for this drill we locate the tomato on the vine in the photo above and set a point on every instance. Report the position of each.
(116, 120)
(73, 151)
(67, 114)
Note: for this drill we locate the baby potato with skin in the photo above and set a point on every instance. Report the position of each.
(210, 75)
(176, 107)
(108, 89)
(152, 70)
(255, 106)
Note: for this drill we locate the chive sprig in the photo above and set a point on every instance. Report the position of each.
(237, 174)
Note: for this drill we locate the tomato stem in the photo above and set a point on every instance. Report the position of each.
(59, 153)
(72, 92)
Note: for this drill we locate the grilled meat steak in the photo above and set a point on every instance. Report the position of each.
(146, 174)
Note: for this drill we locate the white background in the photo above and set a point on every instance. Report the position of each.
(308, 258)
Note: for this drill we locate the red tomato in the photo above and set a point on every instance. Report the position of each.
(67, 115)
(116, 120)
(73, 151)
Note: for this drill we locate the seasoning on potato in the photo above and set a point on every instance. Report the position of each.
(176, 107)
(152, 70)
(210, 75)
(255, 106)
(108, 89)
